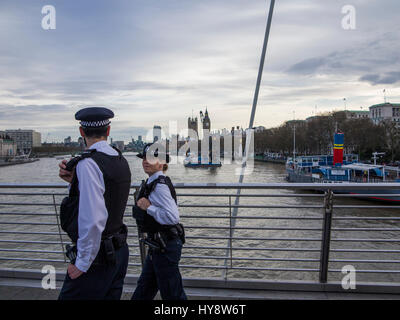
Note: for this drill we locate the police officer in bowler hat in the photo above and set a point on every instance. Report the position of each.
(156, 213)
(92, 215)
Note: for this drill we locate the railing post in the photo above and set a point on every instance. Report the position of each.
(229, 243)
(230, 231)
(326, 236)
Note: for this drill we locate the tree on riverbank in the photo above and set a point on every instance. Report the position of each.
(392, 134)
(315, 136)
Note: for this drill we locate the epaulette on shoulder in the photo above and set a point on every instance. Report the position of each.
(162, 179)
(87, 153)
(74, 161)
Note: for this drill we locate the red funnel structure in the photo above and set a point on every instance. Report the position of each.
(338, 149)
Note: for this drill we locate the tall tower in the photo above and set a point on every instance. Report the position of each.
(156, 133)
(193, 125)
(206, 121)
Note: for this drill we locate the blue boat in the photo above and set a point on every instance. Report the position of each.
(199, 162)
(339, 168)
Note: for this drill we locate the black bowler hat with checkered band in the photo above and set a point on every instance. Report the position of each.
(94, 117)
(157, 153)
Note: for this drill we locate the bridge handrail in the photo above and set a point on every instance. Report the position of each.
(325, 201)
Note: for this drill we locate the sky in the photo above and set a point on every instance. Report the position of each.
(156, 61)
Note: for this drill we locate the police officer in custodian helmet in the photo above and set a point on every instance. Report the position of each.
(92, 214)
(157, 215)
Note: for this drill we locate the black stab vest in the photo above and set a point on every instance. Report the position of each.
(117, 181)
(150, 224)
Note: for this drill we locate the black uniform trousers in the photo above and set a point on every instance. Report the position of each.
(100, 282)
(161, 272)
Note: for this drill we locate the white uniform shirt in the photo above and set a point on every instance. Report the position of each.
(93, 214)
(163, 207)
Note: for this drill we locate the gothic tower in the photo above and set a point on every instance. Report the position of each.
(193, 125)
(206, 121)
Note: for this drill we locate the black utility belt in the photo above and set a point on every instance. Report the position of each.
(106, 254)
(169, 232)
(164, 234)
(158, 240)
(118, 240)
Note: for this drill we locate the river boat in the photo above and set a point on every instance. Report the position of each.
(343, 169)
(199, 162)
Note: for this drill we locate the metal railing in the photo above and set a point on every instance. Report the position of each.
(279, 232)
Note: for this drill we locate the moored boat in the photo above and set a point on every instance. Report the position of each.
(342, 169)
(199, 162)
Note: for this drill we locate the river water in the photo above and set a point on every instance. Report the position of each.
(306, 239)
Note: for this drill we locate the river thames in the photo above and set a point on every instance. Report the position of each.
(297, 232)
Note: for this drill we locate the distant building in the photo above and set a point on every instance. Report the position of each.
(136, 146)
(25, 139)
(193, 125)
(321, 116)
(259, 129)
(357, 114)
(309, 119)
(74, 144)
(385, 111)
(237, 130)
(8, 148)
(120, 145)
(156, 133)
(67, 141)
(205, 120)
(225, 132)
(296, 122)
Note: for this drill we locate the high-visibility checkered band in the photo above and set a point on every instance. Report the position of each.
(95, 124)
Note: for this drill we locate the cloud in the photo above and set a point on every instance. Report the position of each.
(307, 66)
(385, 78)
(58, 120)
(155, 61)
(380, 54)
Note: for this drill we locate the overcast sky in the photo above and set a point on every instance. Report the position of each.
(154, 61)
